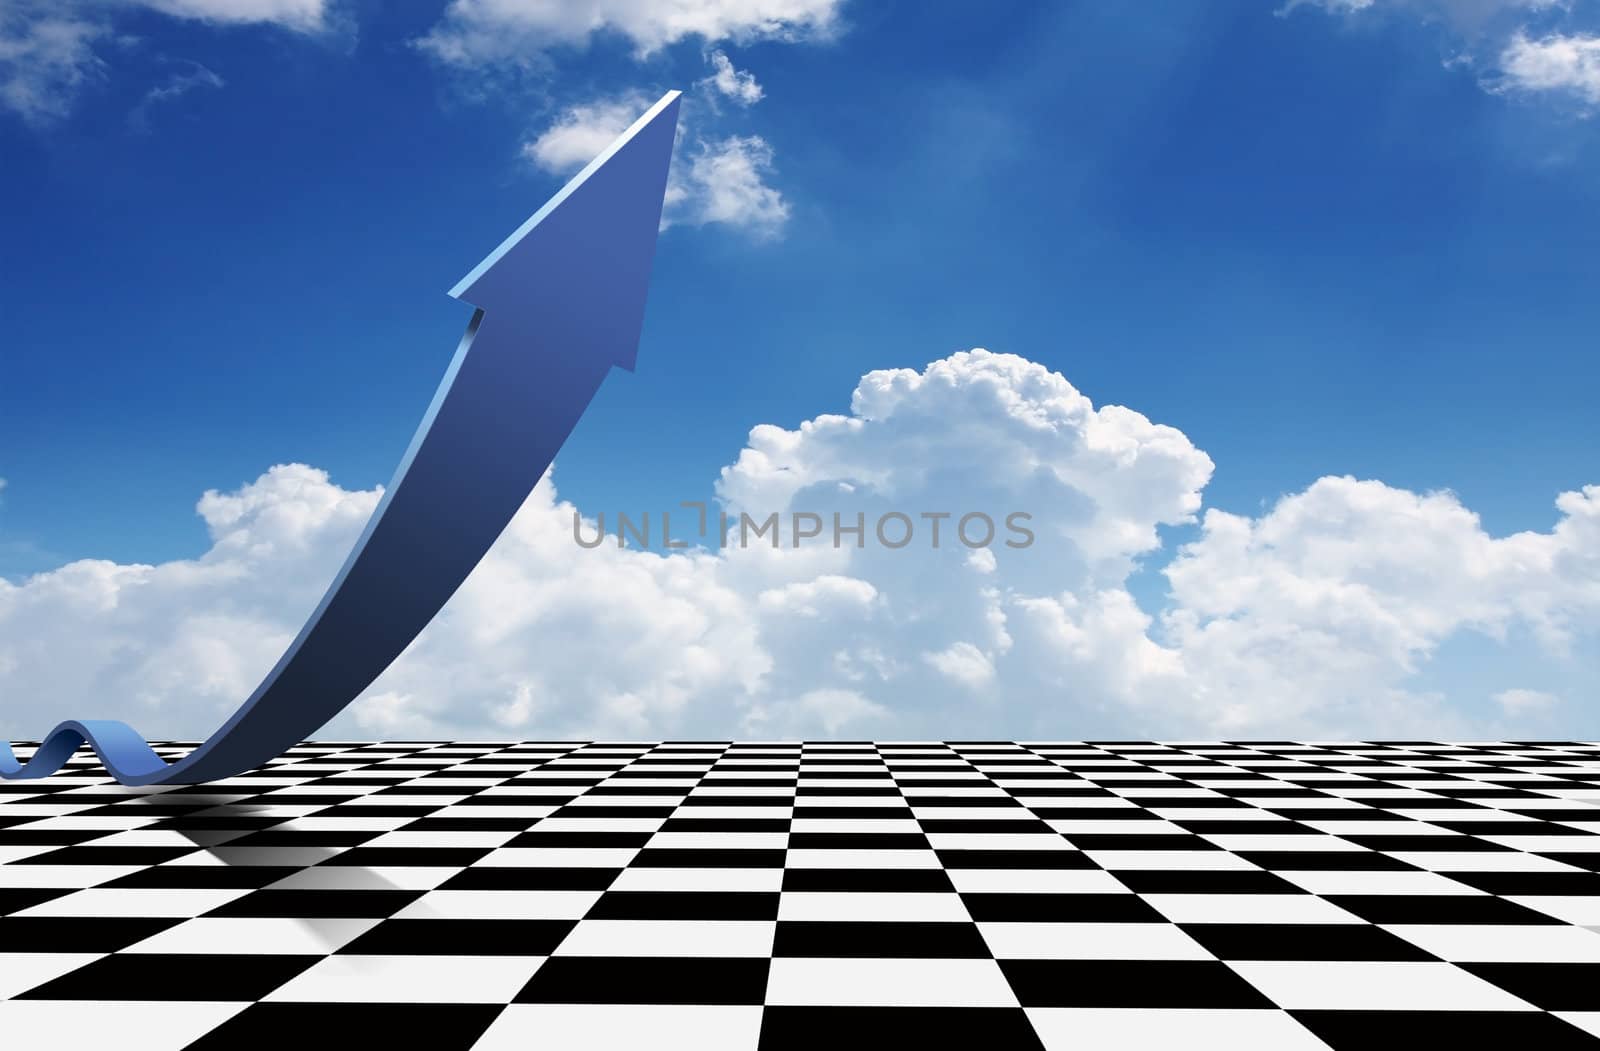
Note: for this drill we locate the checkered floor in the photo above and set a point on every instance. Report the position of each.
(820, 895)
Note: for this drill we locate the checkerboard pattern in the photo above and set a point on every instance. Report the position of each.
(715, 895)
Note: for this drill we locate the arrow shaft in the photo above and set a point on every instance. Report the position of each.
(450, 500)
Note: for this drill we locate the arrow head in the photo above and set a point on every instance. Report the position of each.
(576, 273)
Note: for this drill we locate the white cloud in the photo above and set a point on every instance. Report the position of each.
(303, 15)
(1494, 37)
(1328, 604)
(1318, 618)
(46, 57)
(1554, 64)
(717, 180)
(1517, 702)
(727, 181)
(48, 47)
(582, 131)
(739, 85)
(476, 32)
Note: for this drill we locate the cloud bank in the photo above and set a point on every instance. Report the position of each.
(1318, 618)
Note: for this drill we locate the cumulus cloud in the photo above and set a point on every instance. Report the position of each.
(736, 84)
(723, 180)
(1317, 618)
(1553, 64)
(726, 181)
(181, 643)
(477, 32)
(1354, 585)
(581, 131)
(48, 48)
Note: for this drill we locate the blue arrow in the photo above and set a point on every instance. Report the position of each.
(559, 303)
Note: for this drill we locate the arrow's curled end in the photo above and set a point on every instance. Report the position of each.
(582, 262)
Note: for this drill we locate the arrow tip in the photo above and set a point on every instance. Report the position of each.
(576, 272)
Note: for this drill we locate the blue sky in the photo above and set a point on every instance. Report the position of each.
(1343, 239)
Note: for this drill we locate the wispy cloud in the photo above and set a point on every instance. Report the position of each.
(47, 56)
(1528, 48)
(48, 48)
(303, 15)
(176, 86)
(1516, 702)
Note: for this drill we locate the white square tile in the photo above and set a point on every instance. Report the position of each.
(888, 983)
(1103, 827)
(1248, 908)
(21, 971)
(931, 907)
(1583, 910)
(1134, 1029)
(1175, 860)
(1588, 1021)
(1090, 941)
(1035, 881)
(708, 879)
(100, 901)
(257, 935)
(1374, 986)
(716, 840)
(1503, 942)
(359, 877)
(1333, 881)
(270, 856)
(1557, 845)
(501, 905)
(997, 841)
(446, 840)
(1480, 861)
(1270, 842)
(589, 1027)
(76, 877)
(861, 859)
(163, 1025)
(558, 857)
(410, 979)
(723, 938)
(10, 853)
